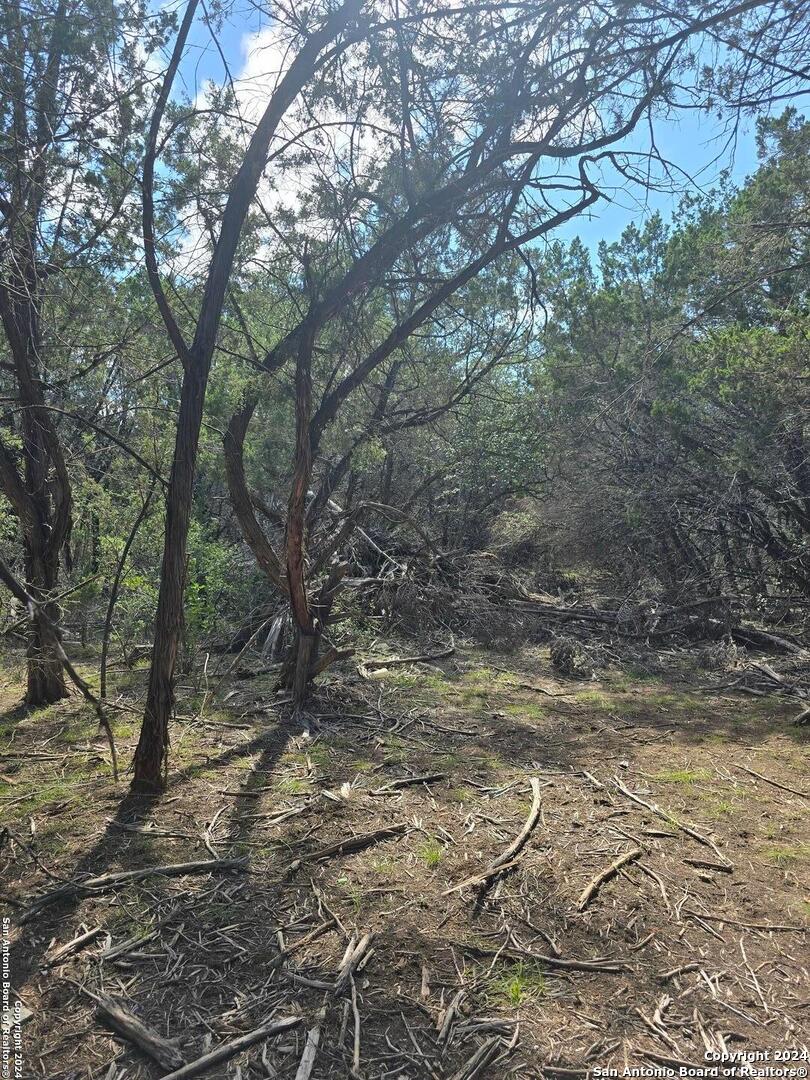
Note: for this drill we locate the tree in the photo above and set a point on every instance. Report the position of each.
(69, 95)
(475, 193)
(196, 359)
(674, 379)
(466, 133)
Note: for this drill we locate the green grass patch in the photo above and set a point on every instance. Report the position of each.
(721, 808)
(787, 854)
(681, 776)
(672, 700)
(460, 794)
(523, 983)
(291, 785)
(597, 699)
(431, 853)
(526, 710)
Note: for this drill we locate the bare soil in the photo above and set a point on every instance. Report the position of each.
(696, 945)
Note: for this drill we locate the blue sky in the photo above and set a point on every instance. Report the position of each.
(694, 142)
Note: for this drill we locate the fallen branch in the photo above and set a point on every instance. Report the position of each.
(775, 783)
(507, 859)
(73, 946)
(288, 950)
(127, 945)
(483, 1056)
(352, 843)
(748, 635)
(688, 829)
(604, 875)
(307, 1062)
(606, 965)
(94, 886)
(704, 864)
(531, 821)
(481, 878)
(408, 781)
(396, 661)
(445, 1020)
(164, 1051)
(351, 963)
(230, 1049)
(331, 656)
(747, 925)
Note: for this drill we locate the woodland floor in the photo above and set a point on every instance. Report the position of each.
(698, 943)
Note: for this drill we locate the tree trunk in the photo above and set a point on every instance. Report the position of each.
(307, 626)
(38, 489)
(150, 755)
(46, 676)
(153, 744)
(306, 652)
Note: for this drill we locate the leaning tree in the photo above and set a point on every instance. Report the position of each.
(427, 142)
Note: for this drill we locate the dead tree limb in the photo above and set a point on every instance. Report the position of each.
(688, 829)
(593, 886)
(507, 859)
(230, 1049)
(165, 1052)
(94, 886)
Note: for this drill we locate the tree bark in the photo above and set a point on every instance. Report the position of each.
(45, 674)
(153, 744)
(308, 628)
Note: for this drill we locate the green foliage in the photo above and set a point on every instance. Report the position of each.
(431, 853)
(523, 983)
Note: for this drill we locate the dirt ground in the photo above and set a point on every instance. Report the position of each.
(567, 958)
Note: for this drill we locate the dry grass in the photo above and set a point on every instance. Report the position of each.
(209, 965)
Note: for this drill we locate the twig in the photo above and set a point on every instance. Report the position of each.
(479, 879)
(115, 587)
(307, 1062)
(395, 661)
(507, 859)
(351, 962)
(94, 886)
(230, 1049)
(356, 1013)
(73, 946)
(54, 600)
(604, 875)
(531, 821)
(747, 925)
(688, 829)
(446, 1020)
(483, 1056)
(775, 783)
(396, 785)
(351, 843)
